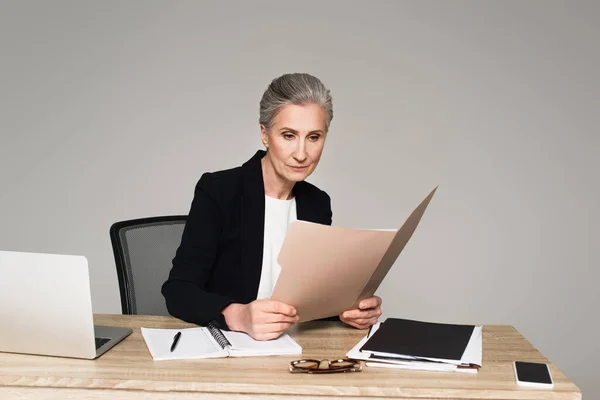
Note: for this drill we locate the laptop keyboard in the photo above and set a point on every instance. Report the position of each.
(100, 342)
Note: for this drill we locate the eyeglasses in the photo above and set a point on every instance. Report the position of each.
(310, 366)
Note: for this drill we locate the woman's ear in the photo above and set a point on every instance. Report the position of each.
(264, 136)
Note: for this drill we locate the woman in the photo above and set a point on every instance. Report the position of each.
(226, 266)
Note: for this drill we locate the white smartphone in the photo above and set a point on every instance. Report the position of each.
(530, 374)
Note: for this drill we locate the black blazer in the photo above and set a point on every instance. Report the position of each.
(219, 260)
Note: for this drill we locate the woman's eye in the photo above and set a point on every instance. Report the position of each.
(288, 136)
(313, 138)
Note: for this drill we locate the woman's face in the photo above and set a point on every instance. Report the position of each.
(295, 140)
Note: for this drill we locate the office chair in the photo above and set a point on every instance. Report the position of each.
(144, 250)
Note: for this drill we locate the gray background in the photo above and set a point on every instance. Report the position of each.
(111, 110)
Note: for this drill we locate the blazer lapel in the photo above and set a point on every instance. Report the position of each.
(252, 223)
(306, 205)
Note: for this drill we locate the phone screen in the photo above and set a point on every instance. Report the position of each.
(533, 372)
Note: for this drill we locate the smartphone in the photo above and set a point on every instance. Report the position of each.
(532, 374)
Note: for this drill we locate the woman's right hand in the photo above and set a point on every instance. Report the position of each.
(262, 319)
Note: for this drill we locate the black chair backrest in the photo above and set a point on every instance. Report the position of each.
(144, 250)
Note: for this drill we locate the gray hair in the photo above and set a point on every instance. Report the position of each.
(298, 89)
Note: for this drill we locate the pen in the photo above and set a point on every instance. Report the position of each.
(175, 341)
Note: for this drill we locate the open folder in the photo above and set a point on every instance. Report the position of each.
(326, 270)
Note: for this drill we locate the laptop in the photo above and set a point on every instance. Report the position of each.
(46, 307)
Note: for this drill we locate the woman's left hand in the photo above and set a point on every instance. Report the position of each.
(365, 315)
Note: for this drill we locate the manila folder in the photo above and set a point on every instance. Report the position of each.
(326, 270)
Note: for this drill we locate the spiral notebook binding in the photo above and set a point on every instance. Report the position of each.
(218, 335)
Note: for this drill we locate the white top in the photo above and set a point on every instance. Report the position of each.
(278, 214)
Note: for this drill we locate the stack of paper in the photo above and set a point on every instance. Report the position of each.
(401, 343)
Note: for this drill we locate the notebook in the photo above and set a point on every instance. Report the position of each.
(212, 342)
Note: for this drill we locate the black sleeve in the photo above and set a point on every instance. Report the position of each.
(185, 290)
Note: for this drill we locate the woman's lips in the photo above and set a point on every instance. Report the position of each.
(298, 168)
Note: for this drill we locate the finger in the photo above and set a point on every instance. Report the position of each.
(261, 318)
(361, 323)
(361, 320)
(267, 336)
(358, 314)
(366, 322)
(269, 318)
(278, 307)
(273, 328)
(371, 302)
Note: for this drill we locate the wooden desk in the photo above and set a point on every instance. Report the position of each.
(128, 372)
